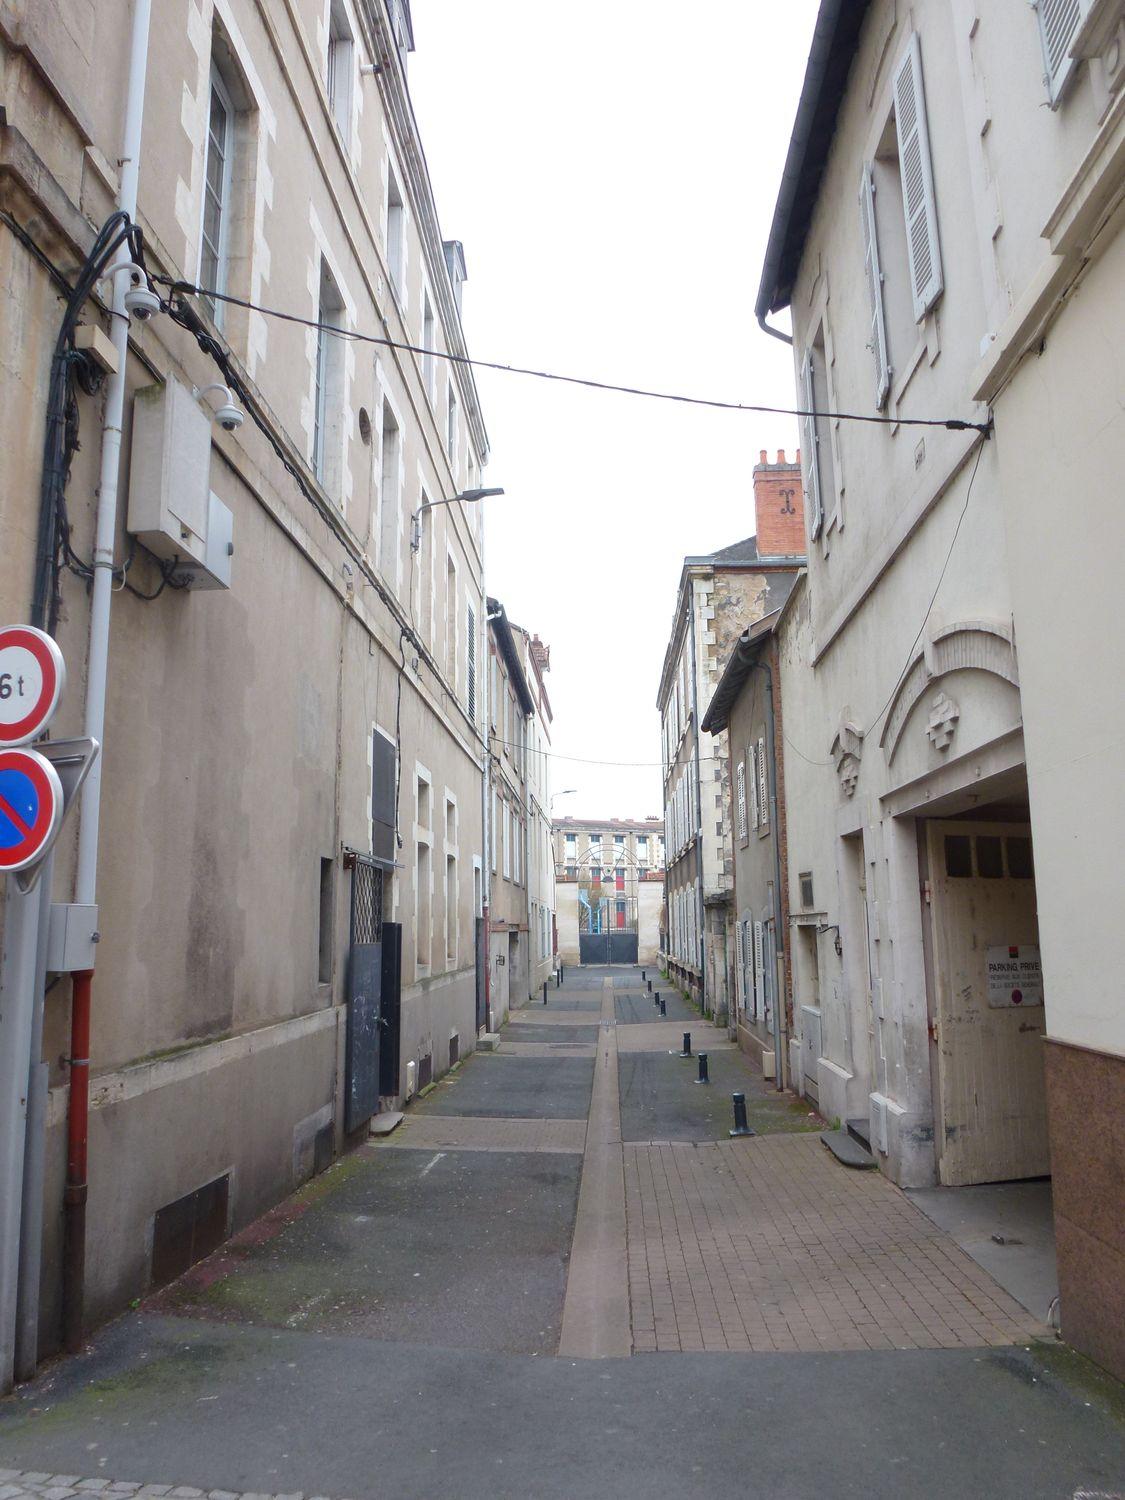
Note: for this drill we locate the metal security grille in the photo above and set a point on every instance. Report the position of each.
(367, 902)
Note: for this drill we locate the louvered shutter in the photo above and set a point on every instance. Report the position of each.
(874, 272)
(759, 972)
(471, 660)
(740, 935)
(917, 180)
(755, 814)
(383, 766)
(812, 469)
(741, 798)
(1058, 21)
(763, 790)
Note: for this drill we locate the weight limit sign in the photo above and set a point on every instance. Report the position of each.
(32, 677)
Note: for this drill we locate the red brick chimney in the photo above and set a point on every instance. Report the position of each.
(779, 506)
(540, 655)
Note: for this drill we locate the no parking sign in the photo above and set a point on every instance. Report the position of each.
(31, 808)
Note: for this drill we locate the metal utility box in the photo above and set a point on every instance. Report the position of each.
(170, 472)
(71, 937)
(215, 570)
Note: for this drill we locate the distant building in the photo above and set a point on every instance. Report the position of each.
(720, 595)
(609, 888)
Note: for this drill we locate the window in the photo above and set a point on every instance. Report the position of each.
(1058, 22)
(763, 787)
(451, 620)
(471, 661)
(396, 235)
(642, 849)
(451, 913)
(919, 206)
(506, 820)
(496, 805)
(451, 425)
(215, 233)
(517, 832)
(740, 798)
(429, 363)
(341, 68)
(328, 403)
(390, 524)
(816, 446)
(324, 924)
(877, 342)
(751, 764)
(422, 904)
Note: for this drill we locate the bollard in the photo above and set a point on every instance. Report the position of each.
(686, 1048)
(663, 1008)
(649, 983)
(703, 1078)
(561, 968)
(644, 976)
(740, 1125)
(544, 992)
(656, 1000)
(557, 979)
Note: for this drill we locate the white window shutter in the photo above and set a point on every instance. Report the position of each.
(874, 271)
(759, 972)
(812, 468)
(763, 788)
(755, 817)
(917, 181)
(1058, 21)
(740, 779)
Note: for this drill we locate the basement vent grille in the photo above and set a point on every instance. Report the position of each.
(425, 1071)
(185, 1231)
(454, 1049)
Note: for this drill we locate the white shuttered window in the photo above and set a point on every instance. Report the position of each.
(809, 448)
(740, 797)
(917, 181)
(763, 788)
(752, 758)
(874, 272)
(1058, 22)
(759, 973)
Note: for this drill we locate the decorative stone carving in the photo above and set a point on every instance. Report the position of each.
(847, 751)
(973, 645)
(942, 723)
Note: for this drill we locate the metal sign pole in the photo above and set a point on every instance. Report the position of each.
(17, 985)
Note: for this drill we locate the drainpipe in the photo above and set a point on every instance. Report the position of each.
(97, 669)
(780, 1015)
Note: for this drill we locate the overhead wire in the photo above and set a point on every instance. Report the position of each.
(952, 424)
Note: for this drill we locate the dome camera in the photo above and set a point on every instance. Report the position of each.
(229, 417)
(140, 300)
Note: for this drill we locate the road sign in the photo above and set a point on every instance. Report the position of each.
(32, 677)
(31, 807)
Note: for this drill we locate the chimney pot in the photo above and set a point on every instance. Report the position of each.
(762, 458)
(781, 455)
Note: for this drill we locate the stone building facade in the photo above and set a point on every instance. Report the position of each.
(719, 596)
(947, 242)
(314, 729)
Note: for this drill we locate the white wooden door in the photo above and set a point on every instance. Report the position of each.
(989, 1032)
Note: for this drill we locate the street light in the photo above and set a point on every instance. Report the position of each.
(569, 792)
(467, 496)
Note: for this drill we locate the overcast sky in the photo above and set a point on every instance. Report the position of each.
(611, 167)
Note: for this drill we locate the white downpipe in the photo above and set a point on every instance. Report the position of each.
(105, 534)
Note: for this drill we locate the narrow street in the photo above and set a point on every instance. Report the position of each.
(561, 1277)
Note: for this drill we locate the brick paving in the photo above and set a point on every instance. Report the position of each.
(770, 1245)
(486, 1133)
(29, 1484)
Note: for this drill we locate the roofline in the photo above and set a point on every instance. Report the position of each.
(500, 625)
(742, 662)
(834, 43)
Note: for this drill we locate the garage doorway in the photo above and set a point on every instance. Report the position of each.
(986, 1003)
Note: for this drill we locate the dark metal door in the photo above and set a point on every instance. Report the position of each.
(390, 1030)
(364, 994)
(482, 983)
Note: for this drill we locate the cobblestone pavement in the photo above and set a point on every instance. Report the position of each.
(770, 1245)
(21, 1484)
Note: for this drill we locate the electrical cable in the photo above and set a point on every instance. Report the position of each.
(952, 424)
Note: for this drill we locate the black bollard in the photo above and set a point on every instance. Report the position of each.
(703, 1078)
(557, 980)
(663, 1008)
(740, 1125)
(544, 992)
(687, 1046)
(644, 976)
(649, 983)
(561, 968)
(656, 1000)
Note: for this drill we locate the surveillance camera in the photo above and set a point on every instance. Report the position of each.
(229, 418)
(140, 300)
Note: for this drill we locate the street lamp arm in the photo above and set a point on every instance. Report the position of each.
(467, 497)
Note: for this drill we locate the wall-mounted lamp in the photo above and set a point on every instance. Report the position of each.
(466, 497)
